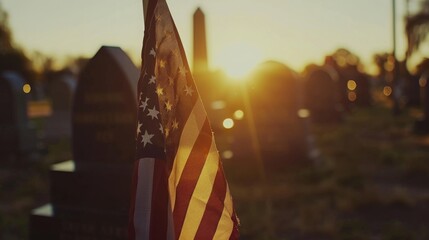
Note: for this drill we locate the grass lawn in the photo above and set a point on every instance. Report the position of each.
(24, 185)
(371, 182)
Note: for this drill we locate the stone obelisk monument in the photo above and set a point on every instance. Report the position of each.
(200, 64)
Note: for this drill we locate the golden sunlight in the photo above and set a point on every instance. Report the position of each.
(238, 59)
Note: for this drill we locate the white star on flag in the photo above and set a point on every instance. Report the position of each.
(161, 128)
(159, 91)
(152, 79)
(168, 106)
(175, 124)
(152, 52)
(188, 90)
(146, 138)
(182, 70)
(153, 113)
(139, 125)
(144, 104)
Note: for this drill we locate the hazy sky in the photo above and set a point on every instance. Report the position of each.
(240, 32)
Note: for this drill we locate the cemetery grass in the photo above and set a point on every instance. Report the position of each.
(24, 185)
(370, 182)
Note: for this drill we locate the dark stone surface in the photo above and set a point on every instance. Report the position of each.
(61, 89)
(84, 205)
(323, 95)
(17, 135)
(101, 191)
(90, 195)
(57, 126)
(47, 225)
(104, 110)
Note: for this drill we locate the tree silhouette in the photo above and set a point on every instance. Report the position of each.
(344, 58)
(417, 28)
(12, 58)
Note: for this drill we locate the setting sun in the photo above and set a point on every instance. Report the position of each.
(239, 59)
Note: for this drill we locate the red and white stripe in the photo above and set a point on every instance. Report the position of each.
(200, 204)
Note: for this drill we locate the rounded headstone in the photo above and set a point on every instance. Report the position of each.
(273, 94)
(322, 94)
(15, 133)
(61, 91)
(104, 111)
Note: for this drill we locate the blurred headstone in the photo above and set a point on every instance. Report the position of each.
(61, 89)
(17, 134)
(413, 91)
(421, 126)
(363, 90)
(355, 88)
(90, 195)
(273, 115)
(322, 95)
(354, 85)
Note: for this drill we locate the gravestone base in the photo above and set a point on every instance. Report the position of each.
(45, 224)
(94, 189)
(87, 203)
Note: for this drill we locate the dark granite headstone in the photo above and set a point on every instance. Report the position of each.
(104, 111)
(90, 195)
(17, 135)
(61, 89)
(274, 103)
(322, 95)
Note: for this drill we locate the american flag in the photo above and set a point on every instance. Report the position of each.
(179, 187)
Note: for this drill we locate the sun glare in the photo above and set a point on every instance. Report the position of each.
(238, 60)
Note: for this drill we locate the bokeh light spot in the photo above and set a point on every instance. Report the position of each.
(227, 154)
(351, 85)
(228, 123)
(387, 91)
(26, 88)
(423, 82)
(352, 96)
(303, 113)
(238, 114)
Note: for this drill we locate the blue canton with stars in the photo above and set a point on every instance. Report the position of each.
(166, 91)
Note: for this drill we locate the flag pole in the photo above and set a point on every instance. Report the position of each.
(145, 2)
(396, 96)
